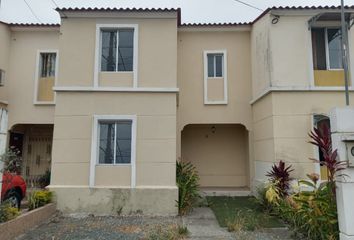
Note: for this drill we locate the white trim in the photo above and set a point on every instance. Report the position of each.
(113, 89)
(94, 146)
(298, 89)
(36, 76)
(224, 71)
(98, 51)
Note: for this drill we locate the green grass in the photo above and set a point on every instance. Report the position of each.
(231, 209)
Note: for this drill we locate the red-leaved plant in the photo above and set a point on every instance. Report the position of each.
(321, 137)
(280, 176)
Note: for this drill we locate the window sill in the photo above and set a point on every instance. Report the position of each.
(44, 103)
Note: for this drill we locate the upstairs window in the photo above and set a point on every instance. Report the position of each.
(117, 48)
(115, 140)
(326, 48)
(45, 77)
(215, 65)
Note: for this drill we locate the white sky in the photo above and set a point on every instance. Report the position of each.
(193, 11)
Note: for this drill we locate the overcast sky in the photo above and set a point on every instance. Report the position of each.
(193, 11)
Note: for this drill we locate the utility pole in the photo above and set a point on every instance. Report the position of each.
(344, 53)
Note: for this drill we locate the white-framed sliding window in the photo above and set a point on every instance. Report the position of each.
(113, 143)
(46, 75)
(215, 76)
(116, 50)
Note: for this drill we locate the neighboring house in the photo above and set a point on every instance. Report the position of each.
(111, 98)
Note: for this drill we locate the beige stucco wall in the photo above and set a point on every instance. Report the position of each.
(220, 155)
(261, 55)
(5, 36)
(157, 49)
(282, 121)
(21, 76)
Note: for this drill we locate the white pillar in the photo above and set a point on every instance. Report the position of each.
(3, 138)
(342, 127)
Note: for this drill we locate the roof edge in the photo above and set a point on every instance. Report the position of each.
(95, 9)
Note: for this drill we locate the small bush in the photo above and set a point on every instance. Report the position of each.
(7, 212)
(39, 198)
(172, 232)
(188, 187)
(280, 176)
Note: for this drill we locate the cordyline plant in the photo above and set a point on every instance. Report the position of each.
(321, 137)
(280, 176)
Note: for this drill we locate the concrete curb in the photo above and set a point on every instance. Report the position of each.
(13, 228)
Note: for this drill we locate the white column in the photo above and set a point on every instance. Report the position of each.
(342, 127)
(3, 138)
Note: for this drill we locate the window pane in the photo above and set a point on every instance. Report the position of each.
(125, 50)
(210, 65)
(47, 64)
(106, 142)
(109, 50)
(218, 67)
(319, 49)
(123, 144)
(334, 48)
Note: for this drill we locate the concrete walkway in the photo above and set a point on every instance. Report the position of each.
(202, 224)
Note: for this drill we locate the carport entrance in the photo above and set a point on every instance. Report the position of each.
(219, 152)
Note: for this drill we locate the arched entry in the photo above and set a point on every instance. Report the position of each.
(219, 152)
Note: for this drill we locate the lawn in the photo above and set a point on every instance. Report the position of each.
(242, 210)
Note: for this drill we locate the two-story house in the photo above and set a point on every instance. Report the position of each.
(109, 100)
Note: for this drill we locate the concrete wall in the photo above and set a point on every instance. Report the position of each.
(282, 121)
(5, 39)
(21, 76)
(219, 152)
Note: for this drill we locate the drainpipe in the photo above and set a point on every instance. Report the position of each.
(345, 53)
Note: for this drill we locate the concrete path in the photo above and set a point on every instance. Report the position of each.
(202, 224)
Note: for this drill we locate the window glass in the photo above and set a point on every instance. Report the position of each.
(123, 142)
(215, 65)
(106, 142)
(125, 50)
(319, 49)
(210, 65)
(47, 64)
(218, 65)
(109, 50)
(115, 142)
(334, 48)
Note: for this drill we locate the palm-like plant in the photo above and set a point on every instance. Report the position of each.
(280, 176)
(321, 137)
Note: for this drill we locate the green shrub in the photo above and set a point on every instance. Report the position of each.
(7, 212)
(44, 180)
(172, 232)
(39, 198)
(312, 213)
(188, 187)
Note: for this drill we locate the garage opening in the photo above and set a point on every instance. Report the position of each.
(219, 152)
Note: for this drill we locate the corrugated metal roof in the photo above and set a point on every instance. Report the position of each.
(33, 24)
(89, 9)
(215, 24)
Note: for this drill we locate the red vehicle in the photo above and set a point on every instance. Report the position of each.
(13, 189)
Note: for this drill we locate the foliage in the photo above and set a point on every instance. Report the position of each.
(44, 180)
(39, 198)
(241, 213)
(188, 187)
(172, 232)
(280, 176)
(7, 212)
(313, 213)
(273, 193)
(12, 160)
(321, 137)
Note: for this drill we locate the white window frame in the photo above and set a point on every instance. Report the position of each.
(214, 65)
(328, 63)
(37, 74)
(224, 72)
(98, 46)
(95, 145)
